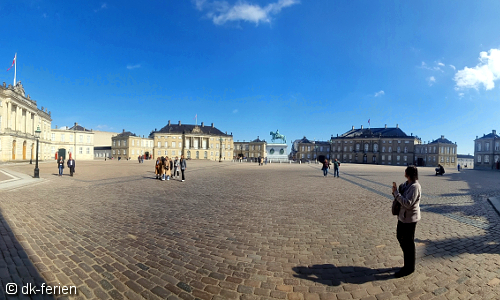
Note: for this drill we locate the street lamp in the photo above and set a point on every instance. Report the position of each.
(331, 145)
(37, 135)
(220, 150)
(316, 151)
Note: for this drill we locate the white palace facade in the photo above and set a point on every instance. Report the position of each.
(19, 119)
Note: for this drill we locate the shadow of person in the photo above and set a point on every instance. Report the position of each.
(329, 274)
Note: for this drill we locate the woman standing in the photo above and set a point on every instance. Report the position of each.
(183, 166)
(60, 165)
(168, 168)
(158, 168)
(408, 196)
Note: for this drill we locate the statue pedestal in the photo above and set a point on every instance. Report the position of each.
(277, 153)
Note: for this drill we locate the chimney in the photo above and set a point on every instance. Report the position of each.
(494, 131)
(213, 125)
(397, 125)
(123, 130)
(361, 126)
(411, 134)
(385, 125)
(168, 122)
(476, 137)
(179, 123)
(76, 124)
(352, 127)
(442, 137)
(202, 124)
(56, 126)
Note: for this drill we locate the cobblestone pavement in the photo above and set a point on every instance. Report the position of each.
(243, 231)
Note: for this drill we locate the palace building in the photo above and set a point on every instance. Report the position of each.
(487, 151)
(127, 144)
(19, 119)
(440, 151)
(251, 149)
(192, 141)
(383, 146)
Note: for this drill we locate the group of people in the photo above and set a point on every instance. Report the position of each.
(70, 163)
(166, 168)
(327, 164)
(140, 158)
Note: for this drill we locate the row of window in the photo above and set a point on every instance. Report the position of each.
(63, 137)
(383, 142)
(486, 147)
(173, 153)
(142, 143)
(486, 158)
(358, 147)
(246, 147)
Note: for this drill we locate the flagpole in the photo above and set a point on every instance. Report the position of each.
(15, 68)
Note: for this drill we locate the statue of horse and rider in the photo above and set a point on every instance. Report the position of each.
(277, 136)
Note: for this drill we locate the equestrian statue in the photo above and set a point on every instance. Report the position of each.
(277, 136)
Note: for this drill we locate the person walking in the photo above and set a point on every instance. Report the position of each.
(60, 165)
(336, 165)
(408, 195)
(168, 170)
(176, 167)
(458, 167)
(71, 166)
(183, 166)
(326, 166)
(158, 168)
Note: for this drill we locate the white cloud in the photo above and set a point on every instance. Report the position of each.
(434, 68)
(379, 93)
(431, 80)
(221, 11)
(131, 67)
(453, 67)
(235, 111)
(103, 6)
(485, 73)
(460, 95)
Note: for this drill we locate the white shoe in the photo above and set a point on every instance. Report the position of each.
(182, 180)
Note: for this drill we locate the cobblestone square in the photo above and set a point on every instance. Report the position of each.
(243, 231)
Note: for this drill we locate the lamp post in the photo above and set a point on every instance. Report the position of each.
(220, 150)
(316, 151)
(37, 135)
(331, 145)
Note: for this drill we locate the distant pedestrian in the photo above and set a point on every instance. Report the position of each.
(458, 167)
(142, 159)
(176, 167)
(183, 166)
(71, 166)
(60, 165)
(158, 168)
(408, 196)
(336, 165)
(326, 166)
(168, 168)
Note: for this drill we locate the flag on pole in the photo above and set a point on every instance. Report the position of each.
(13, 62)
(369, 122)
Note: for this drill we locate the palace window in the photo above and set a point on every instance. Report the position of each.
(366, 147)
(71, 138)
(357, 147)
(405, 158)
(133, 144)
(406, 149)
(383, 157)
(173, 144)
(389, 157)
(486, 158)
(398, 158)
(119, 142)
(478, 147)
(398, 149)
(383, 148)
(53, 138)
(345, 148)
(390, 149)
(486, 148)
(81, 151)
(62, 137)
(375, 147)
(497, 146)
(159, 144)
(88, 151)
(81, 138)
(88, 140)
(133, 152)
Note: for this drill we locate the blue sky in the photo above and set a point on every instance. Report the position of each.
(307, 68)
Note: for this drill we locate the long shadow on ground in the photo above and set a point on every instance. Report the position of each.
(329, 274)
(16, 267)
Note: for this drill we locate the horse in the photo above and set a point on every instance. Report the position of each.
(277, 136)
